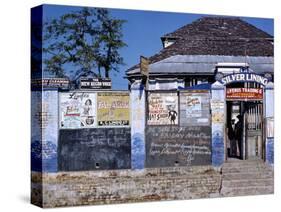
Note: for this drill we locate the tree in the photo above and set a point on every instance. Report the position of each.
(87, 40)
(110, 41)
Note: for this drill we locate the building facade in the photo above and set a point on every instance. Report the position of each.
(234, 61)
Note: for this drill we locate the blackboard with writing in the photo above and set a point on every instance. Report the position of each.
(94, 149)
(168, 146)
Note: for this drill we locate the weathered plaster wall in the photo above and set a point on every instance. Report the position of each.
(218, 123)
(44, 133)
(269, 123)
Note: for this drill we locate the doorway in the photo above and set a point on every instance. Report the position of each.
(244, 130)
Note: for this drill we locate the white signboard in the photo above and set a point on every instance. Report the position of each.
(78, 110)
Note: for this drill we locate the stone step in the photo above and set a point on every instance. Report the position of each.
(251, 175)
(249, 190)
(245, 171)
(247, 182)
(248, 169)
(235, 160)
(234, 165)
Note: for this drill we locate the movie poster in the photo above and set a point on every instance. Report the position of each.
(162, 109)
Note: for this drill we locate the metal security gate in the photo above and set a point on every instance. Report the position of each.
(253, 116)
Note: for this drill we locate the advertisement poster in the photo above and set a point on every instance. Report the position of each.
(218, 113)
(77, 110)
(113, 109)
(194, 108)
(162, 109)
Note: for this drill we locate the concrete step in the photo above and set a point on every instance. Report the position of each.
(250, 176)
(247, 170)
(235, 160)
(244, 162)
(246, 182)
(244, 165)
(249, 190)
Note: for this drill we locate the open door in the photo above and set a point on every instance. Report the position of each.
(253, 113)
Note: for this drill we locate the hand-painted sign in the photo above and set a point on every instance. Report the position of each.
(61, 83)
(77, 110)
(244, 93)
(113, 109)
(162, 108)
(244, 77)
(95, 83)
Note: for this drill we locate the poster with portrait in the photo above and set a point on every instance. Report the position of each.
(77, 110)
(162, 108)
(113, 109)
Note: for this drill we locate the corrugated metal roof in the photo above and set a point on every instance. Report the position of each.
(205, 64)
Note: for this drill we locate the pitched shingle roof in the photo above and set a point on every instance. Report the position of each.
(216, 36)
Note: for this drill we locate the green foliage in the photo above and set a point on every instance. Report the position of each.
(87, 40)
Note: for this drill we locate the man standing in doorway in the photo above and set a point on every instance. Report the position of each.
(239, 134)
(232, 139)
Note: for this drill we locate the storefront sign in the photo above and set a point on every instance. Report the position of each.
(61, 83)
(244, 77)
(95, 83)
(244, 93)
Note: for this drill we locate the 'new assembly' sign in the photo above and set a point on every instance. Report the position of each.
(244, 77)
(95, 83)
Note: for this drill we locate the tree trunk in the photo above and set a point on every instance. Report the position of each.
(106, 72)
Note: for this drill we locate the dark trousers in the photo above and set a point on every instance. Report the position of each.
(240, 148)
(233, 148)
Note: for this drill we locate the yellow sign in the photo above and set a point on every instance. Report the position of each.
(113, 109)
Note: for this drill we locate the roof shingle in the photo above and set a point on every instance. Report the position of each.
(216, 36)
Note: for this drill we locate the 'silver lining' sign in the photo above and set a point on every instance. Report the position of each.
(244, 77)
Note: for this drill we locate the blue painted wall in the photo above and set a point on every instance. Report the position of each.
(44, 134)
(137, 98)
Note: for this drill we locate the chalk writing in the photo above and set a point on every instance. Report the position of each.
(184, 145)
(109, 147)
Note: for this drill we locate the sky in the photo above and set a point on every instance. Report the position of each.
(143, 30)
